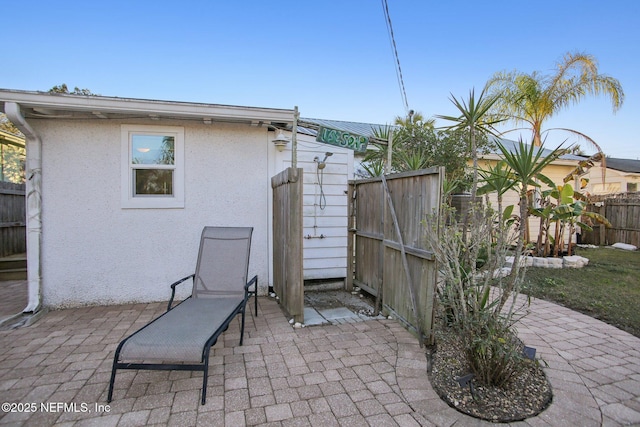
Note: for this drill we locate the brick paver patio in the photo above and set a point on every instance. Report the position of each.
(353, 374)
(13, 297)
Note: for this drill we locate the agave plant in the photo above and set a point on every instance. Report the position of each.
(373, 167)
(375, 160)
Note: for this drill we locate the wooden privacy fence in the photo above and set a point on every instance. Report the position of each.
(287, 241)
(623, 212)
(13, 237)
(390, 259)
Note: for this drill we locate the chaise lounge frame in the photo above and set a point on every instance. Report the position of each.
(232, 303)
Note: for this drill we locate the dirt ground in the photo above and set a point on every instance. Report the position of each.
(358, 302)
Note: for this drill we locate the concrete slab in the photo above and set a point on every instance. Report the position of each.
(338, 313)
(313, 318)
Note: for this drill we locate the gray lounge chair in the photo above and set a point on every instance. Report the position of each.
(181, 338)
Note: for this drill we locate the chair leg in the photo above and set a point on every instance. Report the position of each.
(255, 300)
(114, 368)
(111, 382)
(242, 326)
(204, 379)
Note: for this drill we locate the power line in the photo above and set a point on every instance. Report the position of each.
(403, 93)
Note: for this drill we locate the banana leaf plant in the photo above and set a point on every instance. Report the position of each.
(553, 205)
(565, 207)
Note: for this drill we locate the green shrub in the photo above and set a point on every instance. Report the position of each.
(493, 351)
(476, 303)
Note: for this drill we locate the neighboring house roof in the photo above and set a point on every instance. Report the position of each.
(623, 165)
(64, 106)
(512, 145)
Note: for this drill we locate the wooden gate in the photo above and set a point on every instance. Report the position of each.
(288, 280)
(13, 234)
(390, 258)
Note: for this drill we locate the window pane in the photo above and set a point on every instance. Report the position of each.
(153, 181)
(152, 149)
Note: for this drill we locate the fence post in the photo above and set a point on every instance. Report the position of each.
(351, 228)
(287, 241)
(603, 229)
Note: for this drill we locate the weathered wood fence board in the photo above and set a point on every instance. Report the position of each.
(623, 212)
(13, 235)
(378, 265)
(288, 279)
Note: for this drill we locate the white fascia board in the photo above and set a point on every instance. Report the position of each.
(92, 104)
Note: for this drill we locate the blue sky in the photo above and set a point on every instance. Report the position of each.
(330, 58)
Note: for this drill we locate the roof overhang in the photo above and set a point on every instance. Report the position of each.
(44, 105)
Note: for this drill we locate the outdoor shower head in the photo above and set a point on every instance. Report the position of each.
(322, 164)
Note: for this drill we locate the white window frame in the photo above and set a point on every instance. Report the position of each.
(176, 200)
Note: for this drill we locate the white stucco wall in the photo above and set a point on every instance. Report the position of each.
(96, 252)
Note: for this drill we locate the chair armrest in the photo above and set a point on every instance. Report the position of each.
(253, 281)
(173, 289)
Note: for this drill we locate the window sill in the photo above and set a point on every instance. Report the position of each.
(152, 203)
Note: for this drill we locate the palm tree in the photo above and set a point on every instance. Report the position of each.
(475, 119)
(412, 118)
(534, 98)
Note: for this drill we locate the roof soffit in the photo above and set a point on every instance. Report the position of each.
(57, 106)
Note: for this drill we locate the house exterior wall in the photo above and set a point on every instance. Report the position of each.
(614, 181)
(96, 252)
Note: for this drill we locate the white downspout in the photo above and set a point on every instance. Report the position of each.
(34, 205)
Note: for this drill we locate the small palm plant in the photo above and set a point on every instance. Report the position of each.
(474, 118)
(526, 162)
(472, 298)
(497, 179)
(374, 161)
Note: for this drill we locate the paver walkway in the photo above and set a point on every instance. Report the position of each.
(353, 374)
(13, 297)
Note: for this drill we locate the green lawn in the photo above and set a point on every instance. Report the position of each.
(607, 289)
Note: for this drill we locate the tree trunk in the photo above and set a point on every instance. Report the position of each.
(513, 276)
